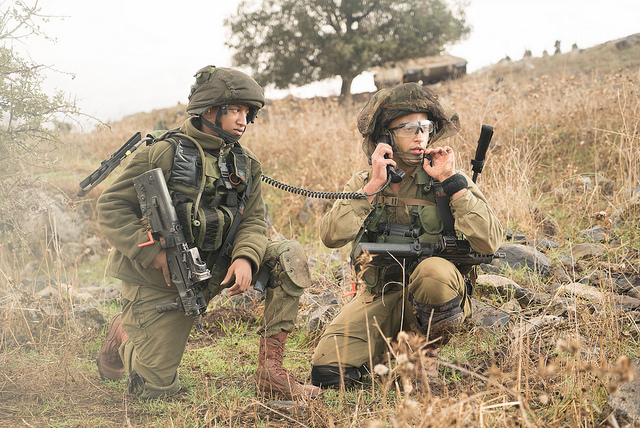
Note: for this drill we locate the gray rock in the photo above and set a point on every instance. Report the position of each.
(596, 234)
(516, 236)
(627, 212)
(547, 244)
(525, 297)
(624, 281)
(536, 325)
(576, 185)
(595, 295)
(617, 282)
(624, 404)
(581, 290)
(51, 213)
(486, 316)
(83, 317)
(523, 257)
(103, 294)
(586, 250)
(561, 275)
(634, 292)
(87, 317)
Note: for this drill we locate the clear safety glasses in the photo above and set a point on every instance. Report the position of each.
(412, 128)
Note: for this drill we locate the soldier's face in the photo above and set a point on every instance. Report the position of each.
(415, 143)
(234, 122)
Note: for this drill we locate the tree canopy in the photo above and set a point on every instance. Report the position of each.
(290, 42)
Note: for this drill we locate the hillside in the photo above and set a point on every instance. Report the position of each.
(554, 338)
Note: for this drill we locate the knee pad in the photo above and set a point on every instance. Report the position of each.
(289, 268)
(332, 376)
(441, 321)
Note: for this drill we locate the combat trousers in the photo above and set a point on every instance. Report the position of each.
(156, 342)
(356, 336)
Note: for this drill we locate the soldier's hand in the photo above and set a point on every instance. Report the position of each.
(240, 270)
(444, 162)
(379, 167)
(160, 263)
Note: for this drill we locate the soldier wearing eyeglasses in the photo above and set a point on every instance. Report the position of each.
(402, 127)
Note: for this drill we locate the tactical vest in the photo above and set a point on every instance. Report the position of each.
(426, 227)
(219, 186)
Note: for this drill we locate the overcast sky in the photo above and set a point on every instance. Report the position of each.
(120, 57)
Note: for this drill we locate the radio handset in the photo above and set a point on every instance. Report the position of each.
(396, 175)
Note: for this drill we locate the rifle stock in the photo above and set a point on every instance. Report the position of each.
(108, 165)
(186, 270)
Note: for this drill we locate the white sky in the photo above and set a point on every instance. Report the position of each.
(130, 56)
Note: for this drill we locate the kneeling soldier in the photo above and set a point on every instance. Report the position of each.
(399, 126)
(215, 187)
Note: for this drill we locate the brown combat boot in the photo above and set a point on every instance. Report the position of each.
(109, 362)
(271, 377)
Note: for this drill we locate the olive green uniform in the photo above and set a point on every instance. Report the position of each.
(353, 339)
(156, 342)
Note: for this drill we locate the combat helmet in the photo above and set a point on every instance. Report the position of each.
(219, 87)
(391, 103)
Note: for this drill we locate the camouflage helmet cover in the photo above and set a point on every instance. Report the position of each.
(217, 86)
(391, 103)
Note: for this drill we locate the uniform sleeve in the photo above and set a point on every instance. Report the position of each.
(475, 219)
(343, 222)
(119, 211)
(251, 238)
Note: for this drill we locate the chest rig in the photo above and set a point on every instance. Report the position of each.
(430, 221)
(210, 190)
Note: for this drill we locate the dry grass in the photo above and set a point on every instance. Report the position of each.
(566, 145)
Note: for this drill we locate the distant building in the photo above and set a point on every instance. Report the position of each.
(426, 70)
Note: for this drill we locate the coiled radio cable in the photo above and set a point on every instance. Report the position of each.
(317, 195)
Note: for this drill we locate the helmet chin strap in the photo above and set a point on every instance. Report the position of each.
(408, 159)
(217, 128)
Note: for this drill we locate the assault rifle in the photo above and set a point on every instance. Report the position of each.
(457, 251)
(187, 271)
